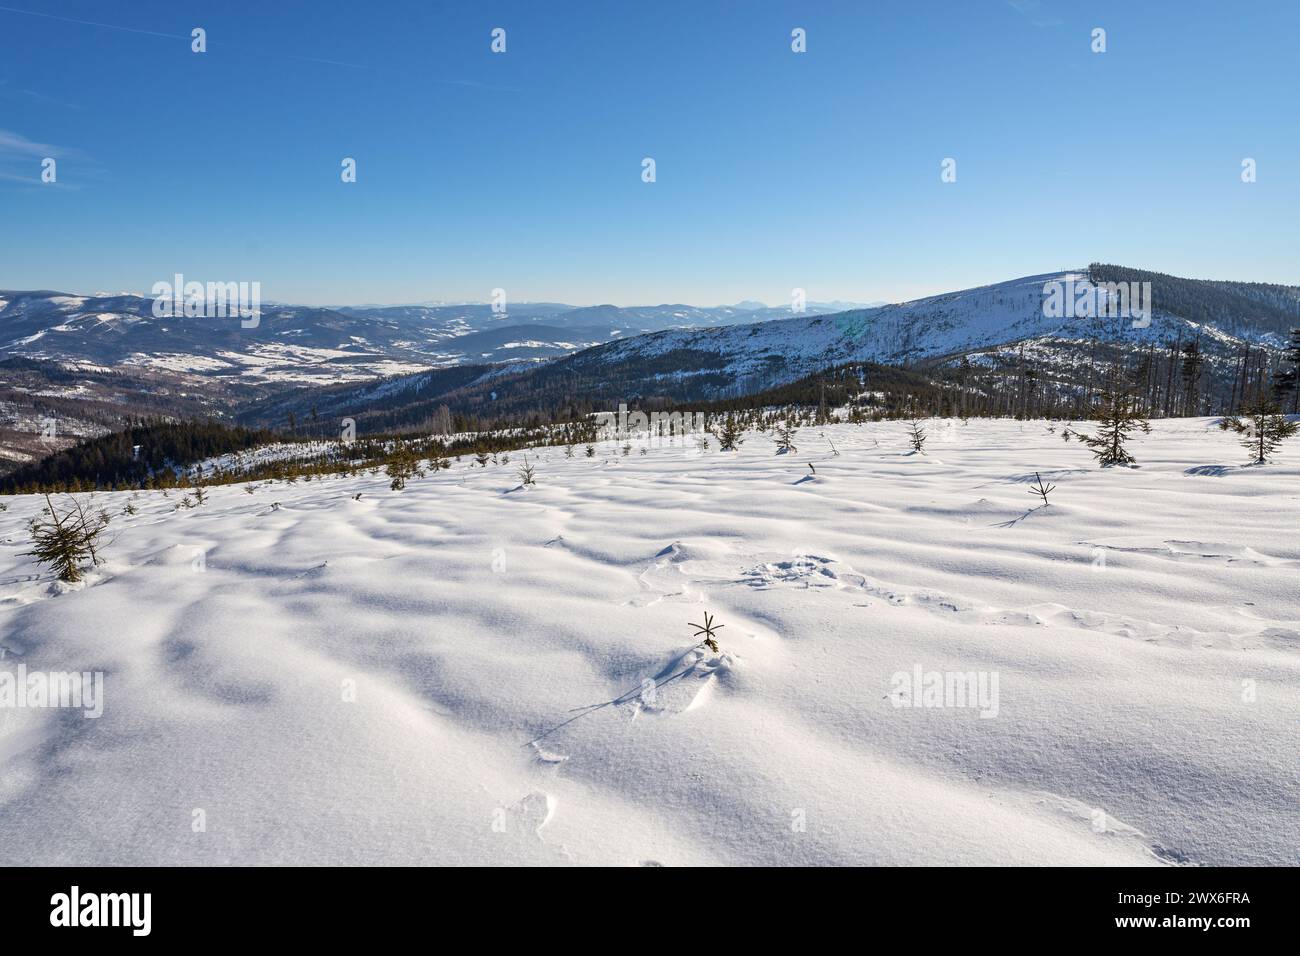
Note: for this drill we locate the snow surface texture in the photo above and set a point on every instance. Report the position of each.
(1144, 630)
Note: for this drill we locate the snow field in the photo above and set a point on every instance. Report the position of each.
(417, 677)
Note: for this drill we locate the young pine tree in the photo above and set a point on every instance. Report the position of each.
(527, 474)
(785, 438)
(402, 465)
(65, 541)
(917, 436)
(1263, 428)
(1118, 418)
(729, 434)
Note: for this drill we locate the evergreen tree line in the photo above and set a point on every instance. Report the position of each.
(147, 453)
(1236, 307)
(1166, 381)
(1158, 382)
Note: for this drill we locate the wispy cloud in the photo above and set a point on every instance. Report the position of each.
(91, 23)
(1032, 10)
(21, 93)
(15, 144)
(21, 158)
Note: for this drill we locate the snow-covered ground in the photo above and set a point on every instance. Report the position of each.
(365, 681)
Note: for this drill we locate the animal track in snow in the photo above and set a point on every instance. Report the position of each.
(687, 686)
(547, 757)
(676, 567)
(1106, 826)
(1197, 551)
(532, 812)
(808, 570)
(679, 566)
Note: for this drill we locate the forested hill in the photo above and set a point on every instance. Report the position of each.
(1233, 307)
(113, 459)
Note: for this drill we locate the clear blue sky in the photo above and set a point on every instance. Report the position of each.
(523, 170)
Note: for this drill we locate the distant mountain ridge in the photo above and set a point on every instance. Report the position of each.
(403, 361)
(313, 345)
(994, 326)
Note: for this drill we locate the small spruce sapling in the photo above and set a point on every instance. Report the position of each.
(1041, 490)
(1118, 418)
(1263, 429)
(66, 541)
(526, 473)
(709, 630)
(916, 436)
(729, 434)
(402, 466)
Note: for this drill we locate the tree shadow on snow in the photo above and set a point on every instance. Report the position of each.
(1016, 521)
(665, 676)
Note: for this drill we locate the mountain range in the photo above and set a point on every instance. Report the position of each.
(88, 362)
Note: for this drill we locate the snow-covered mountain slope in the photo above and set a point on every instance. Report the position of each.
(45, 407)
(288, 344)
(993, 326)
(357, 363)
(306, 345)
(949, 325)
(468, 672)
(617, 320)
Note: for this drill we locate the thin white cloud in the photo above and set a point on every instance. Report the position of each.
(20, 159)
(33, 180)
(22, 94)
(15, 144)
(1032, 10)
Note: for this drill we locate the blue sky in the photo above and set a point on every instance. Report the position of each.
(522, 170)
